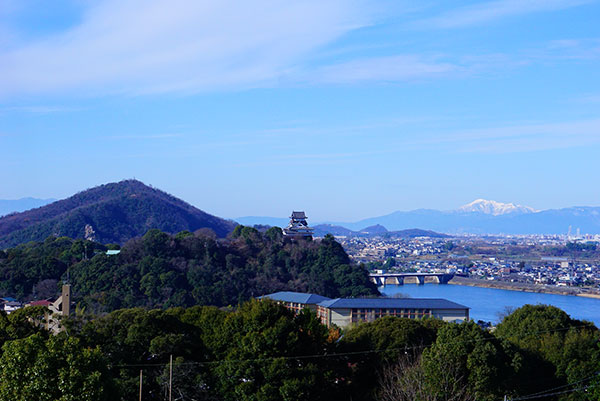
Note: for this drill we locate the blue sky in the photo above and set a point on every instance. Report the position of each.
(346, 109)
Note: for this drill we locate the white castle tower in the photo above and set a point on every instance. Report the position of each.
(298, 227)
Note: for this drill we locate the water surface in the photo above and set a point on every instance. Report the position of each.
(489, 303)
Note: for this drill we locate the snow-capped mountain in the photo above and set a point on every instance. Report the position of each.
(494, 208)
(489, 218)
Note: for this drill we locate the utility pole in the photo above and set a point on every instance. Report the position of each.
(170, 375)
(140, 384)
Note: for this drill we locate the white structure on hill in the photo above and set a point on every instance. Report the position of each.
(298, 227)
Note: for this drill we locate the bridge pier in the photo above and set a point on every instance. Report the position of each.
(418, 278)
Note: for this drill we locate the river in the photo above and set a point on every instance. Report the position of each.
(489, 303)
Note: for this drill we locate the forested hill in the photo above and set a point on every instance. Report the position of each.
(160, 270)
(115, 212)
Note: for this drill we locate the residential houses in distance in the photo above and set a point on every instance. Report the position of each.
(517, 259)
(9, 304)
(57, 308)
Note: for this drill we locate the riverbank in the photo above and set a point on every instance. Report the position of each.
(492, 304)
(525, 287)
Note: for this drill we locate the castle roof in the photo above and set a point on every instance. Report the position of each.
(298, 215)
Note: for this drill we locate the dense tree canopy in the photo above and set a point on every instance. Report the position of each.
(259, 350)
(53, 369)
(262, 351)
(162, 270)
(249, 354)
(569, 347)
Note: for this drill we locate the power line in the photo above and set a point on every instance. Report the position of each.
(542, 394)
(556, 393)
(531, 396)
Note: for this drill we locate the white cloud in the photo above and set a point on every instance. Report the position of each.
(38, 109)
(520, 138)
(136, 46)
(382, 69)
(523, 137)
(573, 49)
(492, 10)
(590, 98)
(188, 46)
(144, 137)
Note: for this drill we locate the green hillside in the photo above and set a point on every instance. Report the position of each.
(115, 212)
(160, 270)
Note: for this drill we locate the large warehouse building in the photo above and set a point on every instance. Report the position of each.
(344, 312)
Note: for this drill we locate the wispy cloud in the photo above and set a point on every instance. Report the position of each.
(188, 46)
(287, 163)
(589, 98)
(331, 155)
(383, 69)
(552, 52)
(357, 129)
(143, 137)
(139, 46)
(518, 138)
(493, 10)
(39, 109)
(573, 49)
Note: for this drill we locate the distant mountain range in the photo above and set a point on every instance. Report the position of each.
(20, 205)
(111, 213)
(478, 217)
(269, 221)
(377, 230)
(117, 212)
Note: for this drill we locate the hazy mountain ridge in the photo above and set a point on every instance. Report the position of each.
(266, 220)
(486, 217)
(8, 206)
(554, 221)
(320, 230)
(115, 211)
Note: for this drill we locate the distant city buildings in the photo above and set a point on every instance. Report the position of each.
(516, 259)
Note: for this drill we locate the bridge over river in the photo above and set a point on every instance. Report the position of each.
(416, 278)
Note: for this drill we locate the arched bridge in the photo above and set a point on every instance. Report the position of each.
(417, 278)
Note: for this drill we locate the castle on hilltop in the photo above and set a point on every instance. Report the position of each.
(298, 227)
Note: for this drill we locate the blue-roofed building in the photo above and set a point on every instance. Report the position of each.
(344, 312)
(296, 301)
